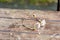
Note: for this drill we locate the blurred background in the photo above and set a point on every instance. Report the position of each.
(29, 4)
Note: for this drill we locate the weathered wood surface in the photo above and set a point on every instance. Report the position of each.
(9, 17)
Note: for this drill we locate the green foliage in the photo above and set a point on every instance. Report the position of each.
(31, 2)
(4, 1)
(22, 1)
